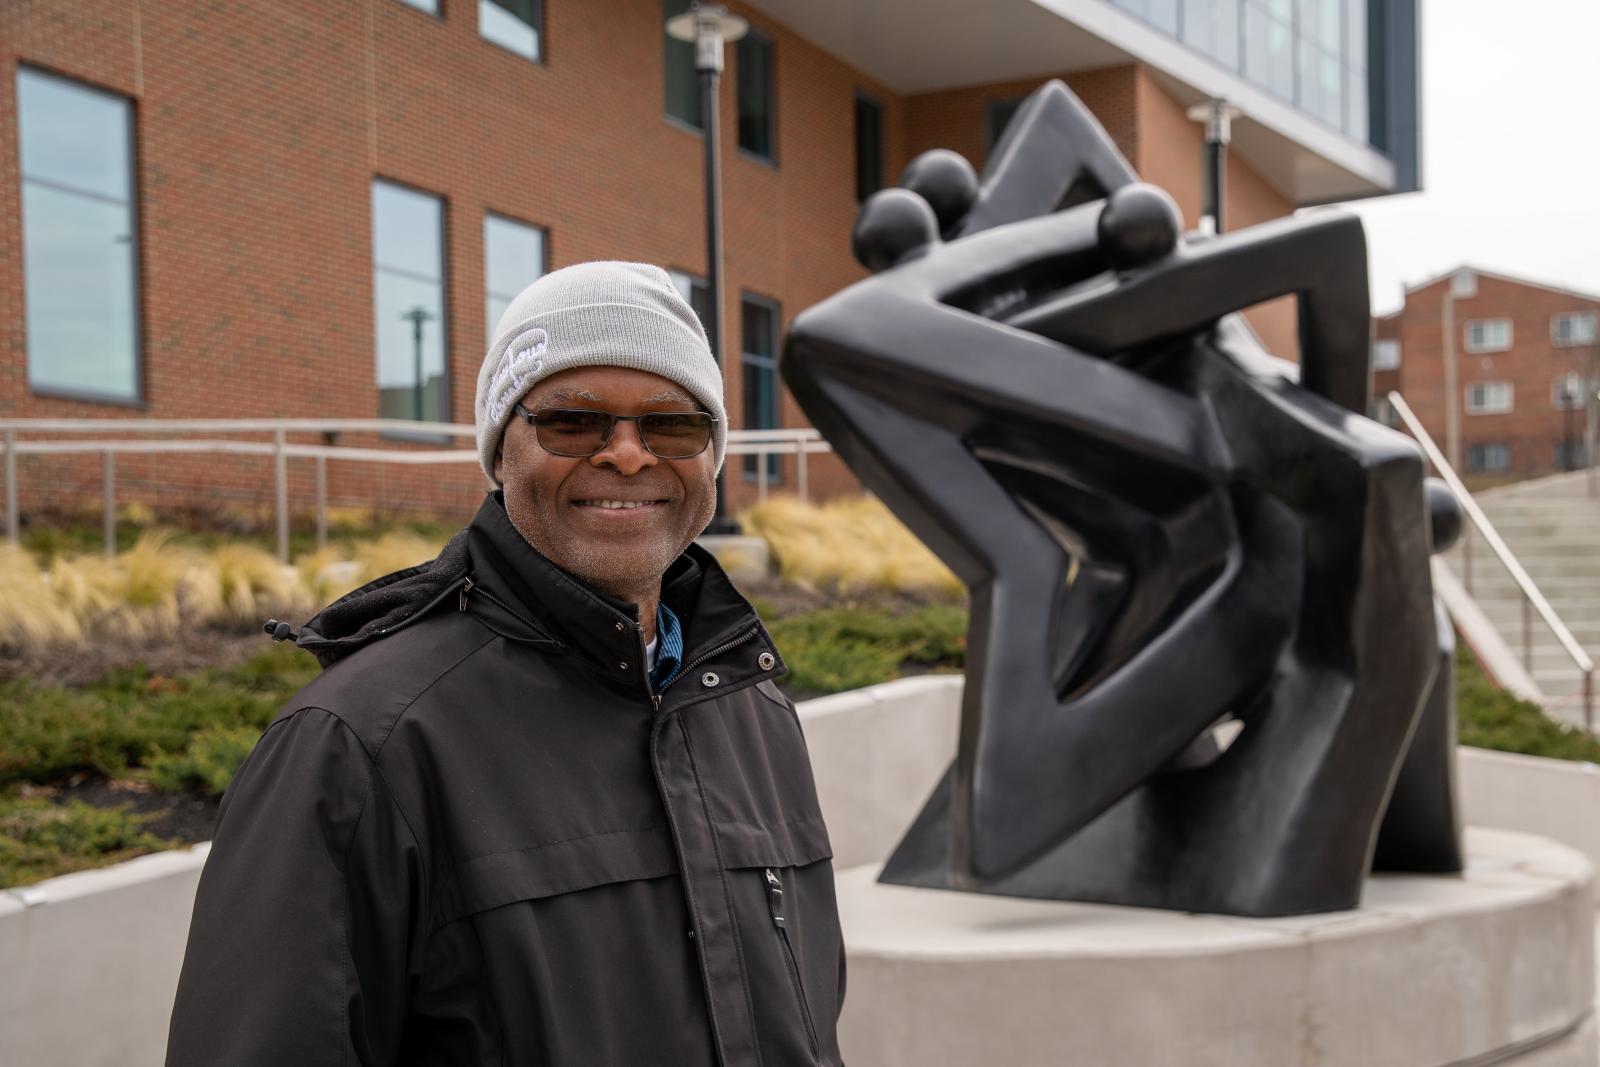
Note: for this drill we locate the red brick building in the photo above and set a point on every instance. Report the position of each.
(1496, 369)
(298, 208)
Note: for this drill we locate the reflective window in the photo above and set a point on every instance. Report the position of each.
(1488, 457)
(79, 238)
(408, 302)
(1386, 355)
(430, 6)
(513, 258)
(683, 84)
(1212, 26)
(695, 291)
(996, 117)
(759, 321)
(1488, 398)
(1572, 328)
(1566, 392)
(869, 146)
(1488, 335)
(757, 96)
(511, 24)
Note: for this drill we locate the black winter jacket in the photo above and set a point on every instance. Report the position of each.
(479, 838)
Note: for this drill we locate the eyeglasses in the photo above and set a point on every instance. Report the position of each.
(583, 432)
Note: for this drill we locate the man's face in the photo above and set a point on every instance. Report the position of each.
(556, 502)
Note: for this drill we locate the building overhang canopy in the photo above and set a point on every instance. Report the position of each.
(920, 46)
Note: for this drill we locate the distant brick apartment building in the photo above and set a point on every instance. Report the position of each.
(1519, 400)
(296, 208)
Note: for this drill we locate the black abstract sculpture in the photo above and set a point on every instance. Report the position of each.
(1204, 658)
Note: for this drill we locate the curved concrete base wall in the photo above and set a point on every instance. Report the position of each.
(1490, 967)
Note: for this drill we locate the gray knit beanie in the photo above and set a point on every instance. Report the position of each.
(601, 314)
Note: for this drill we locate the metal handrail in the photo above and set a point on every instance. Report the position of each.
(800, 442)
(1525, 584)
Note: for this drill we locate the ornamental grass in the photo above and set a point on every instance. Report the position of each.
(849, 544)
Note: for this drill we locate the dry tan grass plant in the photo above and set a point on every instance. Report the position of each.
(849, 543)
(31, 614)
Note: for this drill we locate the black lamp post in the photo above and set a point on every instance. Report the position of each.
(1218, 115)
(417, 316)
(708, 27)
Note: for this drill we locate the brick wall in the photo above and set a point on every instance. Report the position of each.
(261, 125)
(1535, 426)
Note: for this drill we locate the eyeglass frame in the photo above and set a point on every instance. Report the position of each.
(532, 419)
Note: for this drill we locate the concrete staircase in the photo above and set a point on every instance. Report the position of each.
(1552, 525)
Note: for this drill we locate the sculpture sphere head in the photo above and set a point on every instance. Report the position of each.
(946, 181)
(892, 225)
(1138, 226)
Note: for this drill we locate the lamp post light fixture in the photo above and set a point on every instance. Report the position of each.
(1218, 116)
(709, 27)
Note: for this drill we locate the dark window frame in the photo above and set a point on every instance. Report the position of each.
(540, 37)
(861, 98)
(669, 48)
(992, 127)
(140, 399)
(749, 468)
(753, 37)
(446, 310)
(544, 247)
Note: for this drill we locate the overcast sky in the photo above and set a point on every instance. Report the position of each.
(1510, 149)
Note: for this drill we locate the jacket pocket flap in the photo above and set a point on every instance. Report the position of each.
(554, 867)
(791, 843)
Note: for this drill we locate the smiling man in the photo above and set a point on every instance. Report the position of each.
(546, 804)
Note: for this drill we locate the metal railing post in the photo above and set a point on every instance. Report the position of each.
(1466, 561)
(761, 474)
(1527, 634)
(109, 508)
(800, 474)
(13, 521)
(1588, 701)
(280, 475)
(322, 502)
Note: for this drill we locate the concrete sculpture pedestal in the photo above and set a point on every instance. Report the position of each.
(1495, 966)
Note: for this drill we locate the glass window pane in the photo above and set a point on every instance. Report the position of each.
(759, 322)
(695, 291)
(1355, 104)
(511, 24)
(1212, 26)
(513, 258)
(430, 6)
(408, 302)
(683, 84)
(756, 104)
(1355, 34)
(1269, 55)
(869, 147)
(997, 117)
(73, 136)
(79, 284)
(79, 248)
(1322, 21)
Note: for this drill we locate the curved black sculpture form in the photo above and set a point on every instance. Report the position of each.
(1203, 632)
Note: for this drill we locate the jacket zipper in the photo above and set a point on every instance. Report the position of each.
(692, 664)
(468, 587)
(775, 902)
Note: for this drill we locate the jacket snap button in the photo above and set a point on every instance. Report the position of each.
(766, 661)
(709, 679)
(622, 666)
(619, 627)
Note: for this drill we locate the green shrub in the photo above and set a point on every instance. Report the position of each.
(1493, 718)
(40, 839)
(834, 649)
(207, 764)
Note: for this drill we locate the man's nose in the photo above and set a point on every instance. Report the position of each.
(625, 451)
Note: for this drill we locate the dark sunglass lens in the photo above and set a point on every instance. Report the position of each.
(676, 434)
(572, 431)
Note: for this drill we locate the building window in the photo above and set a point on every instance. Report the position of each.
(1488, 335)
(513, 258)
(683, 84)
(511, 24)
(1568, 455)
(1567, 391)
(1488, 398)
(430, 6)
(1386, 354)
(757, 95)
(1463, 285)
(697, 293)
(996, 117)
(1572, 328)
(408, 302)
(1482, 458)
(759, 321)
(79, 238)
(869, 146)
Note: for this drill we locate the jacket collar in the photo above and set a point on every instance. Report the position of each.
(709, 608)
